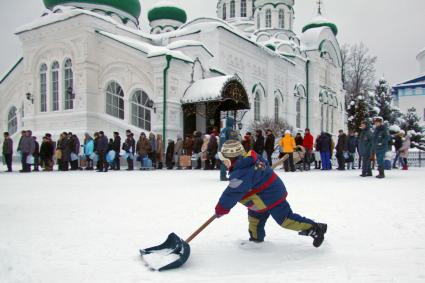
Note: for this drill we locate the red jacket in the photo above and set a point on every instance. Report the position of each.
(308, 142)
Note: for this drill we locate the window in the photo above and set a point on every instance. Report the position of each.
(140, 113)
(43, 88)
(55, 86)
(224, 12)
(281, 19)
(115, 101)
(12, 121)
(243, 8)
(276, 109)
(257, 105)
(268, 18)
(298, 107)
(232, 9)
(68, 83)
(258, 21)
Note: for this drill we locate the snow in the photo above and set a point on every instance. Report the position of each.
(88, 227)
(165, 3)
(158, 259)
(394, 128)
(205, 90)
(149, 49)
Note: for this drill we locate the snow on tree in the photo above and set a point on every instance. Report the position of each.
(357, 112)
(410, 124)
(381, 103)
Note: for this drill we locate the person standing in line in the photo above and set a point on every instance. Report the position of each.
(381, 137)
(88, 150)
(308, 143)
(116, 165)
(317, 157)
(269, 145)
(169, 155)
(36, 155)
(341, 149)
(159, 151)
(143, 147)
(188, 148)
(398, 143)
(299, 139)
(178, 150)
(287, 144)
(197, 148)
(23, 134)
(75, 151)
(352, 145)
(129, 146)
(27, 147)
(259, 142)
(152, 154)
(324, 145)
(247, 142)
(365, 149)
(101, 150)
(404, 152)
(7, 151)
(212, 150)
(46, 154)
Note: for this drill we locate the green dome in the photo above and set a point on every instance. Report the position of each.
(321, 21)
(167, 10)
(131, 7)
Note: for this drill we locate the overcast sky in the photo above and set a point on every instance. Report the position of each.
(392, 29)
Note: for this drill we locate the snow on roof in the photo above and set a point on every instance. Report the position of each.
(310, 38)
(165, 3)
(149, 49)
(187, 43)
(205, 90)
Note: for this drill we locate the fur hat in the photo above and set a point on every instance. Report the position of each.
(232, 149)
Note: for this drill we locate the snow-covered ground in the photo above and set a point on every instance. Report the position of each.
(80, 227)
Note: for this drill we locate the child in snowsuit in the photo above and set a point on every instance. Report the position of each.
(254, 184)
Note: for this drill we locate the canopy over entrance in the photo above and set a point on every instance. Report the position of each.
(206, 100)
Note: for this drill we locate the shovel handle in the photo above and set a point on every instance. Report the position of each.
(200, 229)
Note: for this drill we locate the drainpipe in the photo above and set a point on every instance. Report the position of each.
(164, 107)
(307, 93)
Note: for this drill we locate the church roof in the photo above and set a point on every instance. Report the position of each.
(131, 7)
(206, 90)
(321, 21)
(167, 10)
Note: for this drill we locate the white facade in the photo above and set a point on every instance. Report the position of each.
(295, 78)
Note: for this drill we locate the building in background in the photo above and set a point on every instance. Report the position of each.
(87, 66)
(412, 92)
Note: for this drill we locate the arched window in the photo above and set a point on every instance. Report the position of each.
(257, 107)
(268, 18)
(69, 84)
(55, 86)
(224, 12)
(12, 121)
(43, 88)
(232, 9)
(140, 112)
(258, 21)
(115, 100)
(281, 18)
(276, 109)
(298, 107)
(243, 8)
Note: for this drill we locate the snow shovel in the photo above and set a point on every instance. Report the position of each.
(173, 253)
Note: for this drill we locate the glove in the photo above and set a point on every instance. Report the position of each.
(220, 211)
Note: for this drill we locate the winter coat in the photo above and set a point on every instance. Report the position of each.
(228, 133)
(341, 146)
(117, 144)
(36, 149)
(178, 147)
(398, 142)
(404, 150)
(324, 143)
(129, 145)
(143, 146)
(76, 144)
(159, 148)
(259, 144)
(381, 136)
(247, 143)
(7, 146)
(254, 184)
(287, 144)
(188, 146)
(102, 144)
(152, 141)
(352, 144)
(308, 142)
(197, 143)
(47, 150)
(299, 140)
(89, 147)
(212, 146)
(365, 142)
(27, 145)
(269, 145)
(169, 155)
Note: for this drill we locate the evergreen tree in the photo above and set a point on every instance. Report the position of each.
(357, 112)
(381, 102)
(410, 124)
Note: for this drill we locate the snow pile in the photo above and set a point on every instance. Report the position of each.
(158, 259)
(205, 90)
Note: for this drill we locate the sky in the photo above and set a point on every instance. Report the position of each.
(391, 29)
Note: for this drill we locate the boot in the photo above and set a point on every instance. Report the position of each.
(381, 173)
(317, 232)
(405, 168)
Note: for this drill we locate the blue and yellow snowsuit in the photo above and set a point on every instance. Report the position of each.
(254, 184)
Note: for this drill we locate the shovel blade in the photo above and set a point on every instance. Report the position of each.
(173, 253)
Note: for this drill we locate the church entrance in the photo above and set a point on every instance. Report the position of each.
(207, 102)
